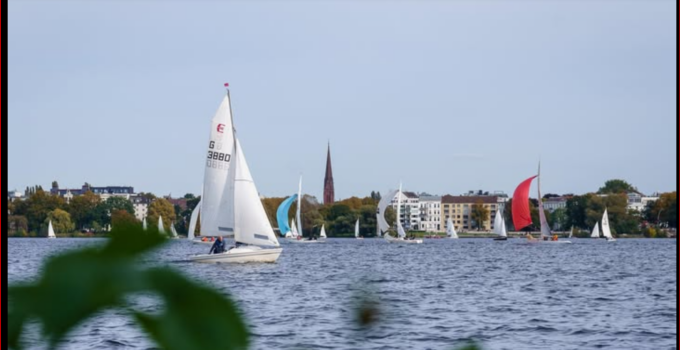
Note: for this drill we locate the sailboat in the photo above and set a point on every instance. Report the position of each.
(322, 235)
(382, 225)
(231, 205)
(401, 234)
(161, 229)
(606, 231)
(294, 232)
(499, 227)
(450, 229)
(521, 214)
(282, 217)
(356, 230)
(144, 223)
(50, 230)
(173, 231)
(596, 231)
(571, 233)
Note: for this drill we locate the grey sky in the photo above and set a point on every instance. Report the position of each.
(446, 96)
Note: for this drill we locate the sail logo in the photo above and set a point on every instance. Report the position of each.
(220, 128)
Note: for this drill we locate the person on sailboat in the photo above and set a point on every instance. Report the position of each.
(217, 247)
(554, 237)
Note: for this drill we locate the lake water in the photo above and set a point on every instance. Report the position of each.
(507, 295)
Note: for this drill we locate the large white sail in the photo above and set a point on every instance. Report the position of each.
(450, 229)
(299, 207)
(545, 228)
(596, 232)
(385, 201)
(194, 220)
(356, 229)
(50, 230)
(498, 222)
(217, 212)
(161, 228)
(606, 232)
(251, 222)
(293, 229)
(504, 232)
(323, 231)
(400, 229)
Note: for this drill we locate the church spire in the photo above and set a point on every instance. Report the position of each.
(328, 189)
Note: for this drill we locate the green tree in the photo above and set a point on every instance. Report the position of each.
(83, 209)
(123, 218)
(18, 225)
(61, 221)
(36, 208)
(558, 219)
(616, 186)
(118, 203)
(576, 212)
(479, 213)
(161, 207)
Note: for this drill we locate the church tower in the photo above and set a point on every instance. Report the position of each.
(328, 189)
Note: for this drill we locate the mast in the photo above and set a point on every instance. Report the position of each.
(232, 182)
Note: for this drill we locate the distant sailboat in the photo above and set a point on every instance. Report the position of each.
(50, 230)
(382, 226)
(521, 214)
(571, 233)
(606, 231)
(450, 229)
(282, 216)
(144, 223)
(323, 232)
(161, 229)
(356, 230)
(231, 205)
(596, 231)
(401, 234)
(173, 231)
(499, 227)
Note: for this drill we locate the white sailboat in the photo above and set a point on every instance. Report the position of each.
(606, 231)
(596, 231)
(161, 228)
(499, 227)
(401, 234)
(231, 204)
(173, 231)
(356, 230)
(144, 223)
(293, 229)
(451, 229)
(545, 228)
(571, 233)
(382, 226)
(50, 230)
(322, 235)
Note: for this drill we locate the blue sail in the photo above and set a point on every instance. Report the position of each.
(282, 214)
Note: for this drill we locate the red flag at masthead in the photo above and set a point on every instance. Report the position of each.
(226, 84)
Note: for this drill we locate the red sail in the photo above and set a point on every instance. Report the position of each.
(521, 215)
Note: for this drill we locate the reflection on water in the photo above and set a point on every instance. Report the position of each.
(509, 295)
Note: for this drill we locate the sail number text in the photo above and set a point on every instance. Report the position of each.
(216, 158)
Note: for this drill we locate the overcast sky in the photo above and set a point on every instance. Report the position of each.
(446, 96)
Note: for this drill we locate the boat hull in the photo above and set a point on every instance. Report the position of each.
(241, 255)
(403, 241)
(500, 239)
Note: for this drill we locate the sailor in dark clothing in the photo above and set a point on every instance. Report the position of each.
(217, 247)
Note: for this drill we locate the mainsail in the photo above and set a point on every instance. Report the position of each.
(545, 228)
(596, 231)
(606, 231)
(356, 229)
(382, 206)
(194, 220)
(450, 229)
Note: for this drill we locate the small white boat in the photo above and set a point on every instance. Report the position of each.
(50, 230)
(499, 227)
(173, 232)
(401, 234)
(144, 224)
(606, 231)
(596, 231)
(322, 235)
(451, 229)
(356, 230)
(231, 205)
(161, 228)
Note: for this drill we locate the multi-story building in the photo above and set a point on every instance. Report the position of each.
(459, 209)
(103, 192)
(141, 206)
(410, 210)
(430, 213)
(14, 195)
(553, 203)
(638, 202)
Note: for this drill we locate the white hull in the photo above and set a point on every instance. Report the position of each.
(549, 242)
(611, 239)
(241, 255)
(359, 237)
(294, 240)
(401, 240)
(52, 237)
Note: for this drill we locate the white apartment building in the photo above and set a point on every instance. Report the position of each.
(410, 210)
(553, 203)
(638, 202)
(430, 213)
(141, 206)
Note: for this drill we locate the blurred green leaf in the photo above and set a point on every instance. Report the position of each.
(195, 317)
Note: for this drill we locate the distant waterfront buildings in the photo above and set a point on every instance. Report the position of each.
(410, 210)
(553, 203)
(459, 209)
(638, 202)
(430, 213)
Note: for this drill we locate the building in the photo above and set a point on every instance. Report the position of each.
(553, 203)
(140, 205)
(328, 188)
(459, 209)
(409, 215)
(14, 195)
(103, 192)
(430, 213)
(638, 202)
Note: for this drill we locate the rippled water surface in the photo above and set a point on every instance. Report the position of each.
(508, 295)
